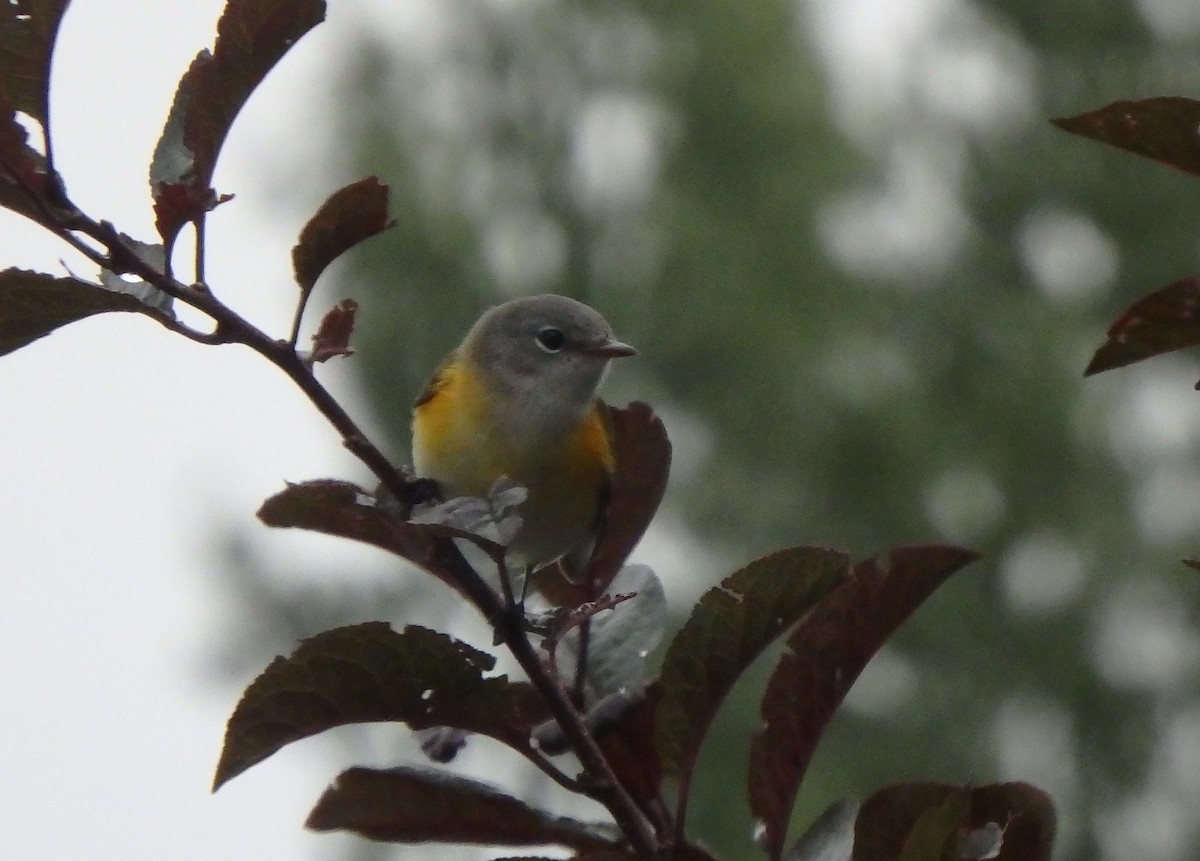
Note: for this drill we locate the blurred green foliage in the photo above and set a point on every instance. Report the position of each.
(864, 278)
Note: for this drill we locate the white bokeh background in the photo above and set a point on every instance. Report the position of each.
(126, 448)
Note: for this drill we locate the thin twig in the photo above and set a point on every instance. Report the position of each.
(553, 772)
(602, 783)
(198, 230)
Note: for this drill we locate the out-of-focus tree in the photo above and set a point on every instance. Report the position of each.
(864, 274)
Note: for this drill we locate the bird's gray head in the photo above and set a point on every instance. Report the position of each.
(542, 349)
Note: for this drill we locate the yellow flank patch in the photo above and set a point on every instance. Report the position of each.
(447, 430)
(457, 443)
(592, 446)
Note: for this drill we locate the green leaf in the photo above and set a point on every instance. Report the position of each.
(1165, 129)
(407, 805)
(252, 36)
(368, 673)
(349, 216)
(1165, 320)
(33, 304)
(825, 655)
(727, 630)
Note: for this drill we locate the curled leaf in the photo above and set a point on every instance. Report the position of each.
(919, 821)
(252, 36)
(643, 461)
(349, 216)
(333, 335)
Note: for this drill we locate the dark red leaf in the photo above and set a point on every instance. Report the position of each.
(1166, 320)
(630, 750)
(333, 335)
(367, 673)
(345, 510)
(727, 630)
(1166, 129)
(28, 29)
(825, 654)
(177, 203)
(912, 821)
(683, 852)
(350, 215)
(643, 462)
(252, 36)
(33, 304)
(406, 805)
(23, 177)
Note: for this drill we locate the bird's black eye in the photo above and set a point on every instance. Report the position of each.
(550, 339)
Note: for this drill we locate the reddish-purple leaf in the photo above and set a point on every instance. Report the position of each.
(23, 177)
(407, 805)
(33, 304)
(631, 752)
(1166, 320)
(727, 630)
(643, 461)
(177, 203)
(918, 821)
(350, 215)
(367, 673)
(345, 510)
(682, 852)
(333, 335)
(825, 654)
(28, 29)
(1166, 129)
(252, 36)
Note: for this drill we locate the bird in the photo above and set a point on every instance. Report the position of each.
(518, 398)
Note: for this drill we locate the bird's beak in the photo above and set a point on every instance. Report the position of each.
(610, 348)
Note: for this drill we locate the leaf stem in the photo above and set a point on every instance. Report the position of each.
(602, 783)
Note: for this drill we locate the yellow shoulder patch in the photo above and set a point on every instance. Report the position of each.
(438, 380)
